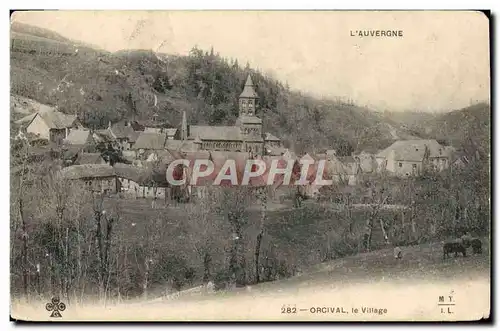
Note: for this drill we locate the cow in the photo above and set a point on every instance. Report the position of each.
(455, 246)
(476, 246)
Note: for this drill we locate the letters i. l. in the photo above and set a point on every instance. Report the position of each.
(446, 310)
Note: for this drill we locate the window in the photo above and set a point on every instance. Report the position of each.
(400, 164)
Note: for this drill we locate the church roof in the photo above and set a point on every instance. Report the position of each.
(205, 132)
(248, 120)
(248, 90)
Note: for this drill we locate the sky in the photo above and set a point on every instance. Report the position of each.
(440, 63)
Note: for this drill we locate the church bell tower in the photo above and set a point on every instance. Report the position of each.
(250, 125)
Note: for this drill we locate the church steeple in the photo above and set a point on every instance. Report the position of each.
(248, 98)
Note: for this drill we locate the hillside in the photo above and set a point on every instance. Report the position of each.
(102, 87)
(467, 127)
(463, 128)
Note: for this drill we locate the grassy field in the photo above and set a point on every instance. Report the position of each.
(408, 289)
(297, 235)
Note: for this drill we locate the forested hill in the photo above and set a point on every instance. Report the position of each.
(469, 127)
(100, 86)
(465, 128)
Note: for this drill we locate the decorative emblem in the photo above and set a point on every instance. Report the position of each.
(55, 307)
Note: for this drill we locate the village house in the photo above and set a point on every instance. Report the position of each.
(98, 178)
(81, 139)
(148, 142)
(124, 134)
(51, 125)
(134, 182)
(129, 181)
(351, 169)
(409, 157)
(367, 162)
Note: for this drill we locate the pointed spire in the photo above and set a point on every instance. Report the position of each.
(249, 80)
(248, 90)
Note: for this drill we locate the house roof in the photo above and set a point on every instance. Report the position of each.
(248, 90)
(121, 131)
(142, 176)
(171, 131)
(130, 172)
(270, 137)
(89, 158)
(26, 119)
(414, 150)
(78, 137)
(103, 136)
(87, 171)
(150, 140)
(70, 151)
(166, 156)
(57, 120)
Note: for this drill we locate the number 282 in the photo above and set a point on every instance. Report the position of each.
(288, 310)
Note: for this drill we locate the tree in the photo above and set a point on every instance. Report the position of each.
(103, 233)
(207, 230)
(233, 204)
(379, 196)
(262, 194)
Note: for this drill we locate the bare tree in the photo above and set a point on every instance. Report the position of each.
(262, 195)
(207, 230)
(379, 196)
(103, 232)
(233, 203)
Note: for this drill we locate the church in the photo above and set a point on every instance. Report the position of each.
(245, 136)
